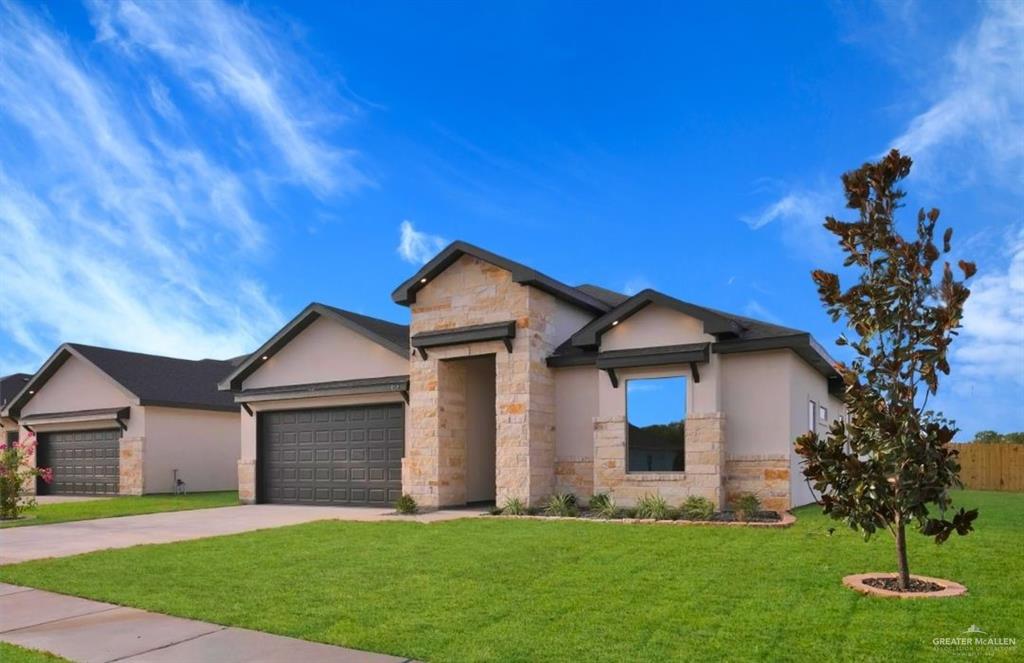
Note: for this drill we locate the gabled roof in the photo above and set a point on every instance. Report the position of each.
(390, 335)
(405, 294)
(733, 333)
(152, 379)
(716, 323)
(11, 385)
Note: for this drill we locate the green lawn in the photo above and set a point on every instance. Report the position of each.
(481, 589)
(15, 654)
(120, 506)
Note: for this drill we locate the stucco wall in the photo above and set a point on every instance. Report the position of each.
(77, 385)
(202, 445)
(755, 399)
(575, 410)
(327, 351)
(806, 384)
(652, 326)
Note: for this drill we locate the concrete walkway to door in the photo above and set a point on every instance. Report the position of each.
(83, 630)
(20, 544)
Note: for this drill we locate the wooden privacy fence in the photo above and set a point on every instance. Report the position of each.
(992, 466)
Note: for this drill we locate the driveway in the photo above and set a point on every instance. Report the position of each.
(20, 544)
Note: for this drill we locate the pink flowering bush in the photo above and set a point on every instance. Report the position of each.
(15, 472)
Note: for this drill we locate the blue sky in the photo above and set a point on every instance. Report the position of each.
(182, 182)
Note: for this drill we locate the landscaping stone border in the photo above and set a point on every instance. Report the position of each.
(949, 588)
(786, 519)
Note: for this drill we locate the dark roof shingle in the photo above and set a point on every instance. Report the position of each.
(11, 385)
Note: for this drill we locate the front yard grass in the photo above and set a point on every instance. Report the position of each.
(511, 590)
(46, 514)
(14, 654)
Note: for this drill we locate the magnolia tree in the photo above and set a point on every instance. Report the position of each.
(890, 464)
(15, 473)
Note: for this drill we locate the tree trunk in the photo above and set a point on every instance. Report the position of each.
(901, 555)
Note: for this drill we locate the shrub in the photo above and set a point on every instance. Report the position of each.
(603, 506)
(746, 506)
(561, 504)
(653, 506)
(697, 508)
(514, 507)
(406, 504)
(14, 473)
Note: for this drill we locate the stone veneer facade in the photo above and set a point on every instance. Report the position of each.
(247, 480)
(704, 462)
(766, 476)
(576, 476)
(474, 292)
(131, 477)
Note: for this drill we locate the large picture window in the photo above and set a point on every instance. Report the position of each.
(656, 417)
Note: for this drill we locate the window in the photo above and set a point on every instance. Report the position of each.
(656, 420)
(823, 413)
(812, 412)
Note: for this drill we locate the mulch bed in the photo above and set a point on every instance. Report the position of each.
(893, 585)
(728, 518)
(886, 585)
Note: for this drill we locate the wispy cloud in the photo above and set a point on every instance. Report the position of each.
(418, 247)
(799, 214)
(992, 343)
(979, 107)
(227, 56)
(972, 124)
(122, 223)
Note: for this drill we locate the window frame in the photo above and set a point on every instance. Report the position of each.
(812, 415)
(687, 399)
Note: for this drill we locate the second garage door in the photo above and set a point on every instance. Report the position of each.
(342, 456)
(83, 462)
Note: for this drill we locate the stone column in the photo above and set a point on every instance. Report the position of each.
(247, 481)
(704, 454)
(451, 433)
(609, 453)
(131, 480)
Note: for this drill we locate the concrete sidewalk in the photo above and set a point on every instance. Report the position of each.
(89, 631)
(20, 544)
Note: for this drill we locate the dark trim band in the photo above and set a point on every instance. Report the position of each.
(391, 384)
(499, 331)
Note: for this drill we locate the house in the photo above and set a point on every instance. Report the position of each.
(509, 383)
(9, 386)
(110, 422)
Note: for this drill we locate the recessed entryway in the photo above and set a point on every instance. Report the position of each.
(480, 429)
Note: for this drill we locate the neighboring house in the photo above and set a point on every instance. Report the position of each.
(111, 422)
(9, 386)
(509, 383)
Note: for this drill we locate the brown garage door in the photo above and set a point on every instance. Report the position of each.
(341, 456)
(84, 462)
